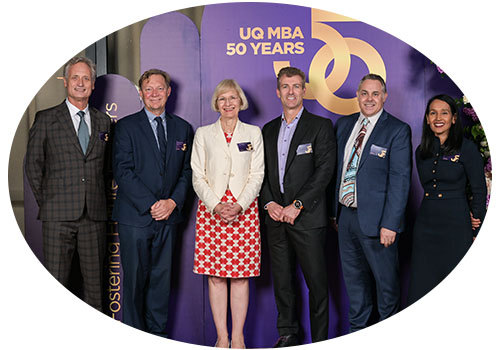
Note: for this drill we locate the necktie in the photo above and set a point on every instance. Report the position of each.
(349, 184)
(83, 132)
(162, 141)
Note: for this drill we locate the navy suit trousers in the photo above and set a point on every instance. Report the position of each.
(364, 261)
(146, 254)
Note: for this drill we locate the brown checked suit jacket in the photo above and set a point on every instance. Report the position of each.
(62, 178)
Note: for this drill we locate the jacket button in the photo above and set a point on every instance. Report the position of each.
(83, 179)
(440, 195)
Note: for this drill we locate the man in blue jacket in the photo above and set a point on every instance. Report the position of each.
(373, 182)
(151, 165)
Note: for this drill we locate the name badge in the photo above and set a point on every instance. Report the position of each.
(245, 146)
(180, 146)
(103, 136)
(378, 151)
(452, 158)
(304, 149)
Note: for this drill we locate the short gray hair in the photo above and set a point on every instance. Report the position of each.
(76, 60)
(373, 76)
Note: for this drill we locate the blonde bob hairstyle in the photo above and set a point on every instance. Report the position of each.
(223, 87)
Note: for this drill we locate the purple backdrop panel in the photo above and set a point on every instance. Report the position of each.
(171, 42)
(117, 97)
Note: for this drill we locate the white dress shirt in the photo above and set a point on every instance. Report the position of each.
(75, 118)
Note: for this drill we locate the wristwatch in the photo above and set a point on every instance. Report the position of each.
(298, 204)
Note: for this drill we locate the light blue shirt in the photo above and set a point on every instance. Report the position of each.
(153, 123)
(284, 139)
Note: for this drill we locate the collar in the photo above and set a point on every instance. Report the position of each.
(296, 119)
(152, 116)
(73, 110)
(373, 119)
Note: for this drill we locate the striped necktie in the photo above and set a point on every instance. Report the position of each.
(83, 132)
(349, 184)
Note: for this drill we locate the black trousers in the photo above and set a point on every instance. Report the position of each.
(287, 245)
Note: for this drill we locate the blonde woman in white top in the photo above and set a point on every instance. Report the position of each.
(228, 170)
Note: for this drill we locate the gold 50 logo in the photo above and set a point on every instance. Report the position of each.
(321, 87)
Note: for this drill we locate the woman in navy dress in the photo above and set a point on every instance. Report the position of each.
(448, 220)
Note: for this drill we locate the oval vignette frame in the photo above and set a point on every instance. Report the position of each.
(353, 13)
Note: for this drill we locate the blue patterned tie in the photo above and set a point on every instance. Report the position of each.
(349, 184)
(83, 132)
(162, 141)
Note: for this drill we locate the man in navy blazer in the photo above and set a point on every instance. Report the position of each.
(151, 165)
(373, 182)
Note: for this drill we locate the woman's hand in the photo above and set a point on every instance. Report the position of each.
(475, 222)
(228, 211)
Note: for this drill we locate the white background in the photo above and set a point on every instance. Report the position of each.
(39, 36)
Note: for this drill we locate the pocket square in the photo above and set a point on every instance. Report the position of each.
(378, 151)
(304, 149)
(103, 136)
(180, 146)
(245, 146)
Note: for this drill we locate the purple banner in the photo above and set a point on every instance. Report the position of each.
(171, 42)
(117, 97)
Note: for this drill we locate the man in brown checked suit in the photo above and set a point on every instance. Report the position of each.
(65, 168)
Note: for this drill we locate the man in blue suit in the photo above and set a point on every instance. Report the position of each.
(151, 165)
(373, 182)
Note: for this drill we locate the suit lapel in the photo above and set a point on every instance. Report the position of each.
(298, 136)
(67, 126)
(219, 136)
(171, 137)
(272, 149)
(150, 139)
(345, 134)
(238, 136)
(95, 130)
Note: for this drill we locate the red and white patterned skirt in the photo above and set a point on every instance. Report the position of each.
(227, 250)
